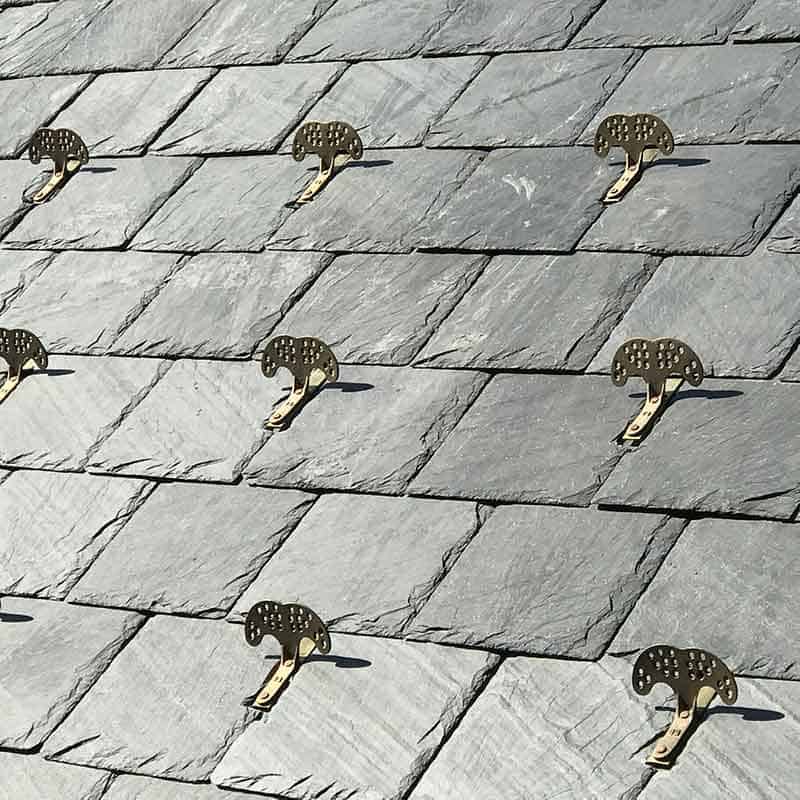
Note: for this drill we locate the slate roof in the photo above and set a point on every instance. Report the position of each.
(488, 560)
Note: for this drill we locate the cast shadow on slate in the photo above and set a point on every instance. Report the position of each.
(340, 662)
(342, 386)
(695, 394)
(6, 616)
(667, 162)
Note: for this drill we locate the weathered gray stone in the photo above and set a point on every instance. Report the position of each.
(532, 99)
(247, 109)
(53, 525)
(168, 706)
(28, 103)
(104, 205)
(724, 448)
(536, 439)
(366, 732)
(376, 203)
(628, 22)
(202, 421)
(18, 271)
(700, 201)
(529, 199)
(246, 32)
(717, 566)
(52, 654)
(769, 19)
(738, 313)
(377, 571)
(135, 787)
(547, 728)
(15, 178)
(384, 307)
(705, 94)
(55, 419)
(779, 117)
(221, 305)
(544, 580)
(228, 204)
(371, 432)
(191, 549)
(539, 312)
(83, 300)
(32, 778)
(785, 236)
(143, 103)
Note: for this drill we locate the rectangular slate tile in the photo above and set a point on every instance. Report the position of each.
(15, 178)
(769, 19)
(532, 99)
(203, 421)
(738, 313)
(367, 732)
(104, 205)
(183, 682)
(700, 201)
(382, 309)
(377, 571)
(779, 118)
(54, 419)
(247, 109)
(539, 312)
(376, 203)
(191, 549)
(540, 199)
(370, 432)
(531, 439)
(550, 581)
(726, 448)
(32, 778)
(136, 787)
(51, 656)
(53, 525)
(785, 236)
(83, 300)
(221, 305)
(547, 728)
(716, 566)
(18, 271)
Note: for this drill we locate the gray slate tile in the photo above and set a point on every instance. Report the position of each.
(15, 178)
(382, 309)
(740, 314)
(785, 236)
(191, 549)
(716, 566)
(221, 305)
(726, 448)
(247, 109)
(32, 778)
(372, 436)
(377, 571)
(83, 300)
(367, 732)
(532, 99)
(531, 439)
(550, 581)
(52, 654)
(779, 118)
(769, 19)
(700, 201)
(135, 787)
(103, 206)
(53, 525)
(539, 312)
(18, 271)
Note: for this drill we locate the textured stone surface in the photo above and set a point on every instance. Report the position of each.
(183, 681)
(545, 728)
(538, 439)
(700, 200)
(785, 236)
(203, 421)
(376, 203)
(384, 307)
(104, 205)
(54, 419)
(83, 301)
(221, 305)
(769, 19)
(135, 787)
(53, 525)
(779, 117)
(191, 549)
(739, 314)
(18, 271)
(554, 581)
(532, 99)
(33, 778)
(367, 732)
(52, 654)
(539, 312)
(15, 178)
(247, 109)
(726, 447)
(380, 568)
(371, 432)
(520, 200)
